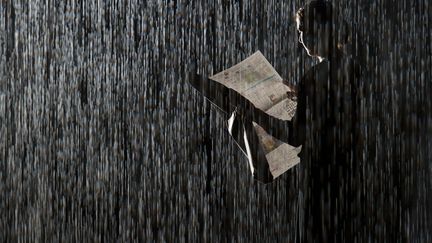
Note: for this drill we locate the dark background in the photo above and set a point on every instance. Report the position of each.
(101, 137)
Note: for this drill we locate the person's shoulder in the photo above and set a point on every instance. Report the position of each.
(315, 77)
(317, 68)
(318, 72)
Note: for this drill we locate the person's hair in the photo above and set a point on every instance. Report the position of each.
(322, 12)
(315, 11)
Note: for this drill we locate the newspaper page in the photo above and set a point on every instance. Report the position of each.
(257, 80)
(280, 156)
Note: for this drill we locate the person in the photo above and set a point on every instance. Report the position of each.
(329, 98)
(325, 124)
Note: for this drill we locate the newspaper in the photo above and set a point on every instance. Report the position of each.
(280, 156)
(257, 80)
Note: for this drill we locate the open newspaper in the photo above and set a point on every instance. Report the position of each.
(257, 80)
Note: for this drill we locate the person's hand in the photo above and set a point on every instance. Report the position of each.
(292, 93)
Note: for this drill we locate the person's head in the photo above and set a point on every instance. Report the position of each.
(315, 26)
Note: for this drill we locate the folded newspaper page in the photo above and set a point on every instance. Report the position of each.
(257, 80)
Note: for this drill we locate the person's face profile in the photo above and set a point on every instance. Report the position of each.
(314, 39)
(307, 41)
(306, 38)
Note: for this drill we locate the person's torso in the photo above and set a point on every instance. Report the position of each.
(330, 110)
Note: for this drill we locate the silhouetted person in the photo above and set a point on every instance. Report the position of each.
(324, 123)
(327, 112)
